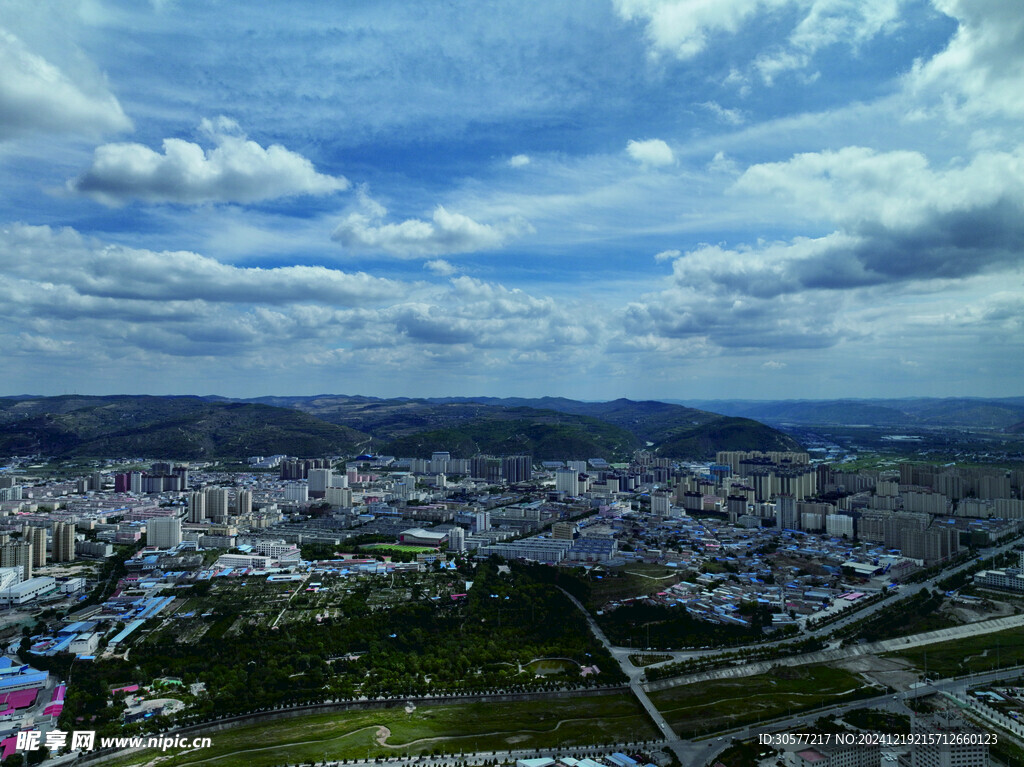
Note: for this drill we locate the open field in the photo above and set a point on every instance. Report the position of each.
(633, 580)
(394, 731)
(725, 703)
(968, 654)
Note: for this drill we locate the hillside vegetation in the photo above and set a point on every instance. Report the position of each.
(186, 428)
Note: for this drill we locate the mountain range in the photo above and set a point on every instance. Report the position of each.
(191, 428)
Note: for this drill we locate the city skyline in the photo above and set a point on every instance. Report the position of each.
(652, 199)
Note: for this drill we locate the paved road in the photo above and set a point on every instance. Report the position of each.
(621, 655)
(843, 653)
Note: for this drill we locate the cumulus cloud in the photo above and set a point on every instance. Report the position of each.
(896, 220)
(440, 266)
(667, 255)
(681, 27)
(35, 96)
(899, 218)
(363, 230)
(651, 152)
(981, 71)
(518, 161)
(233, 170)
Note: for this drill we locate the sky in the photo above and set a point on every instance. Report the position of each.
(653, 199)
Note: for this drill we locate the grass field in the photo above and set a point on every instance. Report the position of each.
(391, 732)
(632, 581)
(969, 654)
(405, 549)
(722, 704)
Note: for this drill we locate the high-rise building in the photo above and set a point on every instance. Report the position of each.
(196, 507)
(439, 462)
(38, 539)
(339, 497)
(63, 546)
(135, 482)
(785, 513)
(163, 532)
(457, 540)
(517, 468)
(481, 521)
(243, 502)
(567, 481)
(181, 472)
(17, 554)
(661, 504)
(319, 481)
(217, 504)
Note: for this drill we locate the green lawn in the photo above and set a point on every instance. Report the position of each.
(969, 654)
(725, 703)
(455, 728)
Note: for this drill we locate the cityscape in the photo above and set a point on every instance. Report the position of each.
(631, 383)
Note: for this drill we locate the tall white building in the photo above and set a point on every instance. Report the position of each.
(661, 504)
(439, 462)
(296, 492)
(339, 496)
(457, 540)
(163, 532)
(567, 481)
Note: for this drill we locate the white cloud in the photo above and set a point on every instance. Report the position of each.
(518, 161)
(440, 266)
(684, 28)
(36, 96)
(861, 188)
(363, 230)
(667, 255)
(234, 170)
(829, 22)
(981, 71)
(651, 152)
(729, 116)
(681, 27)
(99, 271)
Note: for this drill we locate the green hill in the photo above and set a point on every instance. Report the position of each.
(185, 428)
(545, 436)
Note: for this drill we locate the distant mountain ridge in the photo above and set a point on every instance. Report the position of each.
(459, 424)
(185, 428)
(191, 428)
(995, 413)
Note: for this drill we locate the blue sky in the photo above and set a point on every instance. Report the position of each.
(640, 198)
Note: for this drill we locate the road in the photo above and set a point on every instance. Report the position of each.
(621, 655)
